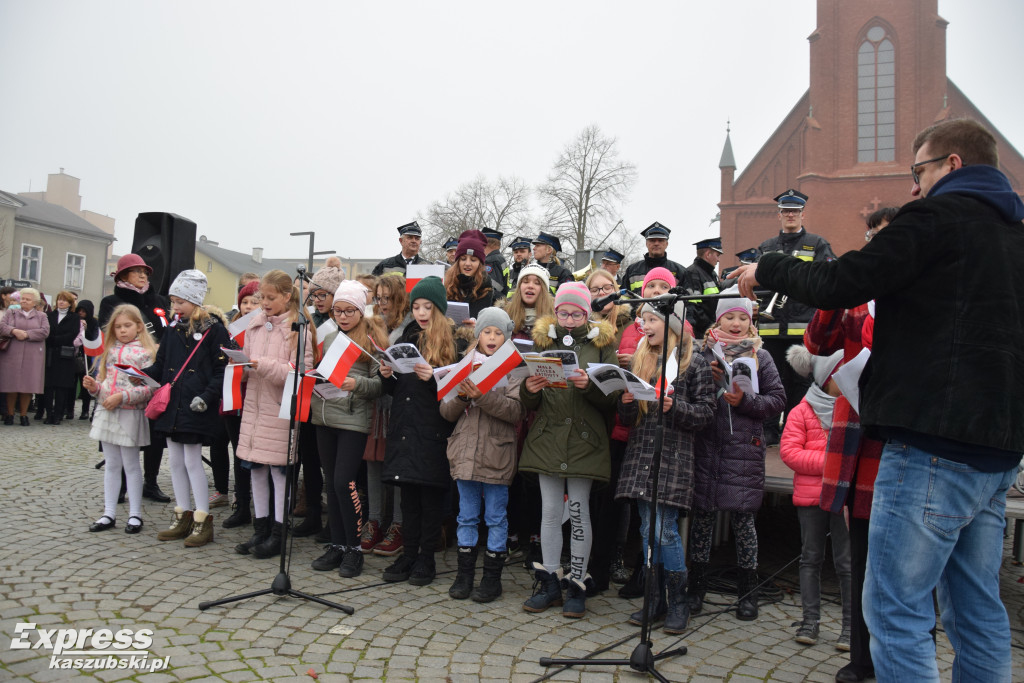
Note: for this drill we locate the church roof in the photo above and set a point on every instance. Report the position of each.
(727, 160)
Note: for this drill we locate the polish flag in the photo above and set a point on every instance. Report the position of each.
(322, 332)
(415, 272)
(93, 347)
(303, 397)
(458, 372)
(231, 393)
(671, 372)
(237, 329)
(504, 361)
(339, 359)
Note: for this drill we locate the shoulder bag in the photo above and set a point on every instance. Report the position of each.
(162, 396)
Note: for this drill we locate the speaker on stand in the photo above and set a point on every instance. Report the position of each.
(167, 243)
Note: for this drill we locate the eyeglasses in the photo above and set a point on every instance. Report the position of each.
(138, 271)
(382, 299)
(914, 167)
(347, 313)
(575, 315)
(607, 289)
(319, 296)
(790, 212)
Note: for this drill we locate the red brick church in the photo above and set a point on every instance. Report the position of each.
(878, 77)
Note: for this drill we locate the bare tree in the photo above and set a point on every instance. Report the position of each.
(502, 205)
(586, 186)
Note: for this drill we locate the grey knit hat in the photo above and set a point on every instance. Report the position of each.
(675, 321)
(190, 285)
(327, 278)
(494, 317)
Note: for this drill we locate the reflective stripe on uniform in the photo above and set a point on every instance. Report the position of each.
(768, 329)
(710, 290)
(796, 329)
(636, 285)
(804, 257)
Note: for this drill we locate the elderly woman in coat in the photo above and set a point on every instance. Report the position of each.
(22, 364)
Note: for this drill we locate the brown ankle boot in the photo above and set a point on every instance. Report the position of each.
(180, 527)
(202, 530)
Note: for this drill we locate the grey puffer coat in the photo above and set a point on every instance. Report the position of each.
(729, 465)
(355, 411)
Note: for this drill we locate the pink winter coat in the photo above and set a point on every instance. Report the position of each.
(23, 363)
(264, 435)
(803, 448)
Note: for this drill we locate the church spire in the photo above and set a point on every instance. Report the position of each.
(727, 160)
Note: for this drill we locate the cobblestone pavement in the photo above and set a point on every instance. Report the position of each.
(57, 575)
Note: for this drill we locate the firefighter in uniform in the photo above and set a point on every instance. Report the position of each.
(409, 236)
(520, 247)
(782, 322)
(701, 278)
(656, 235)
(612, 262)
(746, 256)
(449, 250)
(494, 262)
(545, 248)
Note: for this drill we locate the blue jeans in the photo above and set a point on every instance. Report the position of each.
(669, 549)
(936, 523)
(495, 504)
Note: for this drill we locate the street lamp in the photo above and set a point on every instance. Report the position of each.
(312, 237)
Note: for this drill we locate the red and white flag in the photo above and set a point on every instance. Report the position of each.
(237, 329)
(231, 393)
(93, 347)
(504, 361)
(303, 397)
(322, 332)
(415, 272)
(460, 371)
(338, 360)
(671, 372)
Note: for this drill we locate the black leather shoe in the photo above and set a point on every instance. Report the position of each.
(101, 525)
(854, 673)
(133, 528)
(9, 420)
(151, 491)
(24, 421)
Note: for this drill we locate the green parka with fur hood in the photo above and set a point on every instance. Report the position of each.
(569, 437)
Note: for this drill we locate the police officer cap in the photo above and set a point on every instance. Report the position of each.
(747, 255)
(613, 256)
(451, 244)
(520, 243)
(711, 243)
(492, 234)
(791, 199)
(549, 240)
(410, 229)
(655, 231)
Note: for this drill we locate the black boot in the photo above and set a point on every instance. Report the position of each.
(658, 606)
(746, 610)
(240, 516)
(423, 571)
(463, 584)
(260, 531)
(270, 547)
(490, 585)
(310, 524)
(634, 587)
(698, 586)
(678, 606)
(152, 491)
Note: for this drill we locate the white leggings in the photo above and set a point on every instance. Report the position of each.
(187, 471)
(552, 495)
(118, 457)
(261, 491)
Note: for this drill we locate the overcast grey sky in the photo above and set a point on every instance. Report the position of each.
(258, 118)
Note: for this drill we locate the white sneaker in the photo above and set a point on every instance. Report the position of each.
(218, 499)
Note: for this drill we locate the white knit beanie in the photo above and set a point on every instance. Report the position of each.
(190, 285)
(352, 292)
(533, 269)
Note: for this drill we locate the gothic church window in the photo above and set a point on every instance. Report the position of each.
(876, 98)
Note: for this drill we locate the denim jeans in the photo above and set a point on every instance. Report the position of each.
(936, 523)
(669, 549)
(495, 509)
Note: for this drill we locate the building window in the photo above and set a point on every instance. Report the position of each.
(876, 98)
(209, 266)
(74, 271)
(31, 262)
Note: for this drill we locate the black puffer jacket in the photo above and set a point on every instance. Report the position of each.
(203, 377)
(60, 370)
(150, 303)
(417, 448)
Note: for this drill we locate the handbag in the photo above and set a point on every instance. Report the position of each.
(5, 342)
(67, 352)
(162, 396)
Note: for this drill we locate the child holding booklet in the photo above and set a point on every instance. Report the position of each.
(482, 455)
(689, 408)
(120, 420)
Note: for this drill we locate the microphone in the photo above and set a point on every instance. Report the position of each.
(597, 305)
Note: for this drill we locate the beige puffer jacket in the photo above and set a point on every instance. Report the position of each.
(483, 446)
(264, 436)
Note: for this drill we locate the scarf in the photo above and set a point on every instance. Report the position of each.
(530, 319)
(733, 345)
(822, 404)
(124, 284)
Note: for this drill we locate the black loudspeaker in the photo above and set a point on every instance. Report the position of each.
(167, 243)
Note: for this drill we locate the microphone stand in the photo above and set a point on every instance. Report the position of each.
(643, 658)
(282, 584)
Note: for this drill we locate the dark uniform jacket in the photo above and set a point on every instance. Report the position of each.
(953, 376)
(633, 279)
(701, 278)
(788, 318)
(497, 270)
(512, 279)
(557, 274)
(394, 264)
